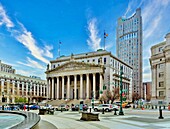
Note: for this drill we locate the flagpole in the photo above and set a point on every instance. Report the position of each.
(104, 39)
(59, 49)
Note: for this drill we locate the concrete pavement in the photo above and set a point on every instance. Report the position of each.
(133, 119)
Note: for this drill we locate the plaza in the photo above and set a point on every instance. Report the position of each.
(133, 119)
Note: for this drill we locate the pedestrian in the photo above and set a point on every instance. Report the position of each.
(24, 107)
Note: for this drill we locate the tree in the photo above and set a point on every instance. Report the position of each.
(115, 94)
(20, 100)
(108, 95)
(135, 96)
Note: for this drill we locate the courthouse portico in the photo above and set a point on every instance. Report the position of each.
(75, 80)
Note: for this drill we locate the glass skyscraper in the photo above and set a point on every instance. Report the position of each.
(129, 46)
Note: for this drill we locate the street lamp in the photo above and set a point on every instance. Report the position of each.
(29, 97)
(92, 99)
(121, 73)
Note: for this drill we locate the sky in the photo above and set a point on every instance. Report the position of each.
(30, 31)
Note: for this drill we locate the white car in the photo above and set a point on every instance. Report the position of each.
(115, 107)
(106, 107)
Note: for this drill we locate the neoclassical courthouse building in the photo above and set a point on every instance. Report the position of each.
(13, 86)
(83, 76)
(160, 66)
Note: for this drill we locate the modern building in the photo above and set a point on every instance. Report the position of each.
(14, 86)
(83, 76)
(129, 46)
(160, 66)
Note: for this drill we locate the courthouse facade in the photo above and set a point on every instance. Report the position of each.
(14, 86)
(160, 66)
(83, 76)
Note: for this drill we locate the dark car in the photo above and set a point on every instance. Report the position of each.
(128, 105)
(63, 107)
(34, 107)
(77, 107)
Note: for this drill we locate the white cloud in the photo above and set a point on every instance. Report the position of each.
(152, 14)
(4, 19)
(132, 5)
(47, 52)
(26, 38)
(94, 40)
(32, 63)
(147, 77)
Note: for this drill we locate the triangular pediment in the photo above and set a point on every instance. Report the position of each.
(74, 65)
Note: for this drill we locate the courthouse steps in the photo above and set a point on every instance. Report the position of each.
(68, 102)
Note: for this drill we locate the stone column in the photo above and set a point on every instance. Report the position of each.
(47, 91)
(81, 86)
(30, 91)
(34, 89)
(18, 90)
(38, 89)
(2, 87)
(58, 88)
(8, 88)
(43, 90)
(52, 90)
(62, 87)
(154, 82)
(75, 86)
(101, 84)
(68, 87)
(26, 89)
(13, 87)
(22, 89)
(87, 86)
(49, 88)
(94, 85)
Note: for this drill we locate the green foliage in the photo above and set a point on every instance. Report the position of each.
(20, 100)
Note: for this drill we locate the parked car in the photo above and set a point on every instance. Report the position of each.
(77, 107)
(117, 103)
(34, 107)
(128, 105)
(115, 107)
(62, 107)
(106, 107)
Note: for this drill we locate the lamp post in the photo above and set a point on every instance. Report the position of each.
(92, 99)
(121, 73)
(29, 97)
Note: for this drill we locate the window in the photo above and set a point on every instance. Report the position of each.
(160, 49)
(87, 60)
(161, 93)
(104, 60)
(99, 61)
(161, 75)
(160, 66)
(161, 84)
(93, 60)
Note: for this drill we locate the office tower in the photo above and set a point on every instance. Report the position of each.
(129, 46)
